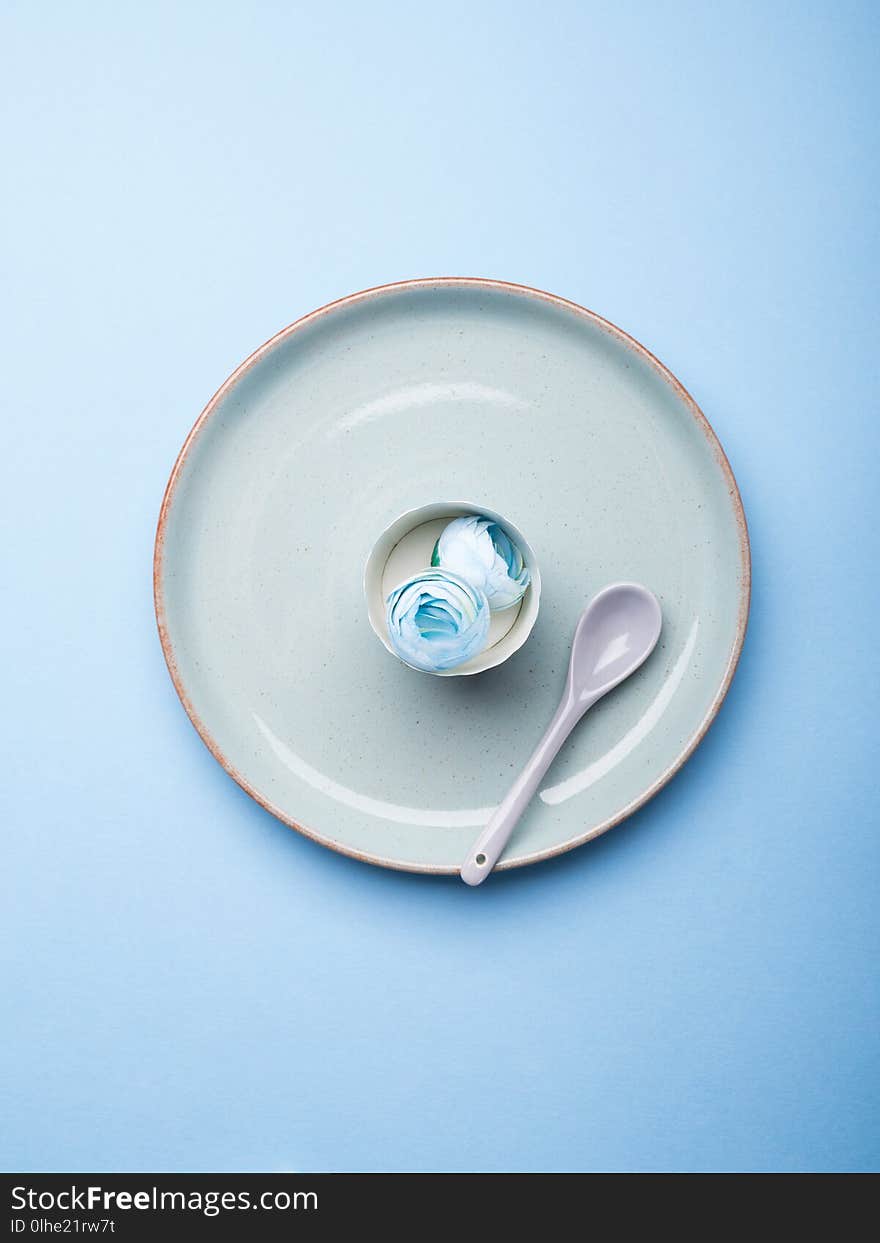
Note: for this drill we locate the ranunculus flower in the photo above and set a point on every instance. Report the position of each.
(484, 555)
(437, 620)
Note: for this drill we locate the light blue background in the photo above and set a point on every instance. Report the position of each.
(188, 984)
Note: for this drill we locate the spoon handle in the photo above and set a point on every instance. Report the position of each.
(484, 853)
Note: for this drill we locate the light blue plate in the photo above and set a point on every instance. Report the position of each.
(395, 398)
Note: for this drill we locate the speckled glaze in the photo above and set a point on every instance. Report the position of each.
(359, 412)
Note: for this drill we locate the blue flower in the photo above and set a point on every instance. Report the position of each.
(437, 620)
(483, 554)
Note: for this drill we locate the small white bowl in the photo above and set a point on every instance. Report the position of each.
(405, 547)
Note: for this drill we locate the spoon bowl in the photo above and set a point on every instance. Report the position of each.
(615, 634)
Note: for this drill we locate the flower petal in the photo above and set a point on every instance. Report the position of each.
(480, 551)
(437, 620)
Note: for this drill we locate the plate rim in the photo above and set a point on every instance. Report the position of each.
(525, 291)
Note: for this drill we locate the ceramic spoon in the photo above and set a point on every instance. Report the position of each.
(616, 634)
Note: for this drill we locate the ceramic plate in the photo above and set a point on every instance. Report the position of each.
(395, 398)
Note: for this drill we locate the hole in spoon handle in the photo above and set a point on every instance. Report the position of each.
(479, 864)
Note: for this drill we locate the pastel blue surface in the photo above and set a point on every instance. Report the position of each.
(188, 984)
